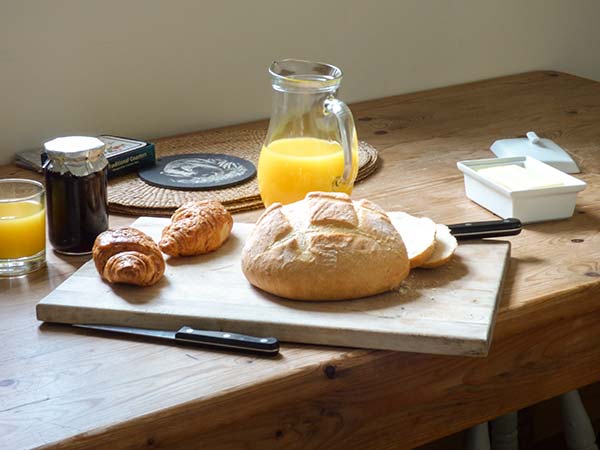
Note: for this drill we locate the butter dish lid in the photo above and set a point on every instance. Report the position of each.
(544, 150)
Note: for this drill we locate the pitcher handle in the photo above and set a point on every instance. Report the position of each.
(346, 123)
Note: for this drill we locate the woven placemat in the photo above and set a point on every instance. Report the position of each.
(129, 195)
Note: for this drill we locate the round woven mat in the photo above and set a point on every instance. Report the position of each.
(129, 195)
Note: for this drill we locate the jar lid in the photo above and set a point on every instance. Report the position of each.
(74, 147)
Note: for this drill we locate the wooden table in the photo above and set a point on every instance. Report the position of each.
(67, 388)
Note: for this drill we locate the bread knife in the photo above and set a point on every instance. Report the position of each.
(217, 339)
(490, 228)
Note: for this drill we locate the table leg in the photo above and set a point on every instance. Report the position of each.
(504, 432)
(478, 437)
(579, 434)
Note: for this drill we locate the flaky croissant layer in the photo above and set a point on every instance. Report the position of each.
(128, 255)
(131, 268)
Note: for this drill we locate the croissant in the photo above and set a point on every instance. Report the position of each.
(127, 255)
(196, 228)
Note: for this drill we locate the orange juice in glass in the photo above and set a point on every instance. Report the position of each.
(22, 226)
(311, 144)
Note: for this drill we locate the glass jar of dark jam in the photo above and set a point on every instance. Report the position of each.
(76, 200)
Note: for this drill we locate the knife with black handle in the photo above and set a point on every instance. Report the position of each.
(490, 228)
(217, 339)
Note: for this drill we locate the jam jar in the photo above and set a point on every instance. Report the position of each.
(76, 200)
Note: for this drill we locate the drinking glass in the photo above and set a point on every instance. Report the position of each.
(22, 227)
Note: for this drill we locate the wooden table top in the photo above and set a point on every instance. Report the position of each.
(67, 388)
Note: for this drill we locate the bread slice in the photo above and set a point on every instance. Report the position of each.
(445, 246)
(418, 234)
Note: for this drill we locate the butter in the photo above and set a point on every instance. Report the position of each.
(517, 178)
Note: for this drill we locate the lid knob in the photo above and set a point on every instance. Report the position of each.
(533, 137)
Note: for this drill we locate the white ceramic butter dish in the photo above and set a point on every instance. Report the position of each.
(521, 187)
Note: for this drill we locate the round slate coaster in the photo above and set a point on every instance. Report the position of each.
(198, 171)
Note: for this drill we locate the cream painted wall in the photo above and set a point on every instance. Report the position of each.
(151, 68)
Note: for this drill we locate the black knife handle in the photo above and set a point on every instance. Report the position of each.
(491, 228)
(224, 339)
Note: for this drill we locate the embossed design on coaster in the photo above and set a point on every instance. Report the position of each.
(198, 171)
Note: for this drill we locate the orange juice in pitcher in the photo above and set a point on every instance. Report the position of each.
(291, 167)
(311, 144)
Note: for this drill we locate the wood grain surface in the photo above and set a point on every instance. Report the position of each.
(449, 310)
(67, 388)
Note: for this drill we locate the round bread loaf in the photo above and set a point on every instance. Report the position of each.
(325, 247)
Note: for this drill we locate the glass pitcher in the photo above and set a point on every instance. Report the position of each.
(311, 144)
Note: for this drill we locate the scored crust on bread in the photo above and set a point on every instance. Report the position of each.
(418, 234)
(325, 247)
(445, 246)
